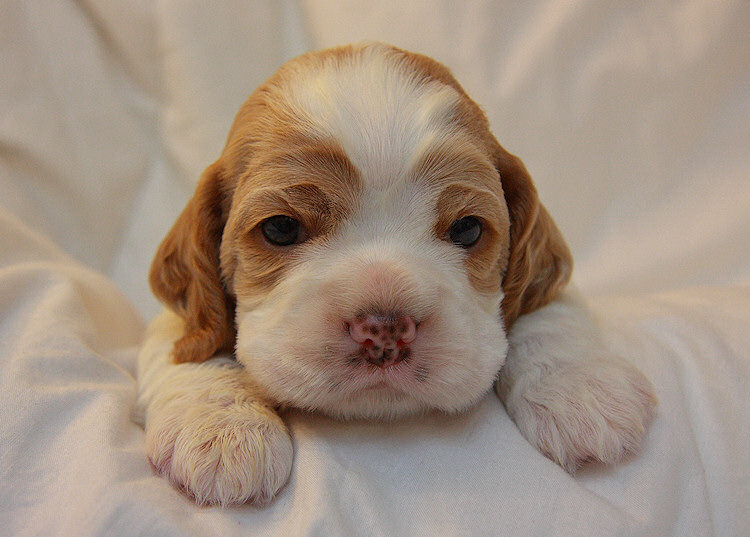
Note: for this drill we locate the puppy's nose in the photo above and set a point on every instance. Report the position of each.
(384, 338)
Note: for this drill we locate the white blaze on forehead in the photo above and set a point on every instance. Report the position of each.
(382, 113)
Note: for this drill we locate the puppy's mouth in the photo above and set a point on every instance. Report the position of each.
(412, 354)
(376, 358)
(394, 372)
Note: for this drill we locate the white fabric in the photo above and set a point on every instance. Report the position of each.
(634, 119)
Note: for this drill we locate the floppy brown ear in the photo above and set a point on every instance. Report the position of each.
(186, 274)
(540, 263)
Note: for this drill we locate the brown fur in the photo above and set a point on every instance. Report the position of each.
(314, 183)
(540, 263)
(488, 256)
(214, 252)
(185, 273)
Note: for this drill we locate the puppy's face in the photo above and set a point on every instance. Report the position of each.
(366, 236)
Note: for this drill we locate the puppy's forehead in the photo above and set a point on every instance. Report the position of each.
(385, 114)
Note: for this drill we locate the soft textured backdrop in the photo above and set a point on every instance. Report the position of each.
(634, 120)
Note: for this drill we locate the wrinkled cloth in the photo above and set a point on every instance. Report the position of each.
(633, 119)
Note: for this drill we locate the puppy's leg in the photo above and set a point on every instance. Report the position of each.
(206, 431)
(570, 397)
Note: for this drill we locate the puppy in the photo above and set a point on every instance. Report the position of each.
(365, 248)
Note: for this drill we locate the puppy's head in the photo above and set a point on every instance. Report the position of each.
(363, 242)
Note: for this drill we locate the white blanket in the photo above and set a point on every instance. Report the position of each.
(634, 120)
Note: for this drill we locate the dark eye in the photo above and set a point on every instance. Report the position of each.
(465, 232)
(281, 230)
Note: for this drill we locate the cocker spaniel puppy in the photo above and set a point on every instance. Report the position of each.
(365, 248)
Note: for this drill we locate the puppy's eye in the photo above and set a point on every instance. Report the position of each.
(281, 230)
(465, 232)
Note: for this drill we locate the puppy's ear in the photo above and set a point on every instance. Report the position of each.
(539, 264)
(186, 274)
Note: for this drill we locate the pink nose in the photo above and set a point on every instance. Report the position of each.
(384, 338)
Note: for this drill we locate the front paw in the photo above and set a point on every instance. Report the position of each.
(581, 413)
(221, 451)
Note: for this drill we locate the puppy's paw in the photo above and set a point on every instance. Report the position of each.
(221, 450)
(581, 413)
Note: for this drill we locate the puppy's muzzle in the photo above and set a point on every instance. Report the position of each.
(384, 339)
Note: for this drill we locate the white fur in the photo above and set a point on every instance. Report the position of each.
(381, 114)
(294, 343)
(570, 397)
(206, 431)
(210, 427)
